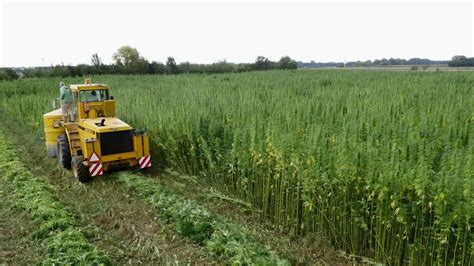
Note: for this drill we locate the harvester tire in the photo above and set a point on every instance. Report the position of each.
(64, 153)
(80, 171)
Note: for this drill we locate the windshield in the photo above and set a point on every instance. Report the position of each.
(94, 95)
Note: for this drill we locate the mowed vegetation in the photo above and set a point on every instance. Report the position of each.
(62, 241)
(381, 163)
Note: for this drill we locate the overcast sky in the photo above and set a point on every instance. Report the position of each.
(37, 33)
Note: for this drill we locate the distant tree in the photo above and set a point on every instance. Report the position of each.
(425, 67)
(414, 68)
(384, 62)
(126, 55)
(171, 65)
(156, 68)
(461, 61)
(419, 61)
(223, 67)
(360, 64)
(244, 68)
(34, 72)
(262, 63)
(82, 70)
(392, 61)
(185, 67)
(287, 63)
(59, 71)
(129, 61)
(96, 60)
(459, 58)
(8, 74)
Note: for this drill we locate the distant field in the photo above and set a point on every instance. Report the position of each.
(403, 68)
(381, 163)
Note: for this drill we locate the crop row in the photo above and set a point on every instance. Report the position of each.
(64, 243)
(220, 237)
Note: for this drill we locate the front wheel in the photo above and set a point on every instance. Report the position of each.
(80, 171)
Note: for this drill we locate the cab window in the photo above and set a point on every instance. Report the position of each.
(94, 96)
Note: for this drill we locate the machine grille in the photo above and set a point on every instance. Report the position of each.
(116, 142)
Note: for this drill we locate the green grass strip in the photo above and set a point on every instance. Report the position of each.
(217, 235)
(64, 243)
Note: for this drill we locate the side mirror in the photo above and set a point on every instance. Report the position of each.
(112, 98)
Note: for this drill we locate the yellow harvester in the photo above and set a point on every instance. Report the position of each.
(94, 140)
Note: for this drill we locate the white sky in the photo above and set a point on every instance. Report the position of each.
(37, 33)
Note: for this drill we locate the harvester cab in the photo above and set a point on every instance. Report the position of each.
(94, 140)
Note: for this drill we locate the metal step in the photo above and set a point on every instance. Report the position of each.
(71, 127)
(75, 143)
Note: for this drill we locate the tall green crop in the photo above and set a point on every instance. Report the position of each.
(380, 162)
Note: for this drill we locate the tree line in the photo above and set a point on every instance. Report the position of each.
(8, 74)
(461, 61)
(376, 63)
(127, 60)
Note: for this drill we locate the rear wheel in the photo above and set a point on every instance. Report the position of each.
(64, 153)
(80, 171)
